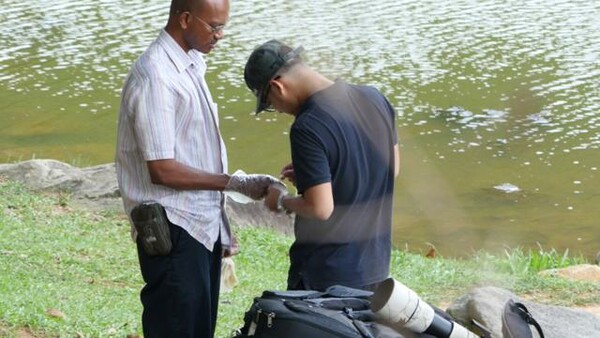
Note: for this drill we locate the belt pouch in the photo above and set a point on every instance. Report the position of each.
(152, 226)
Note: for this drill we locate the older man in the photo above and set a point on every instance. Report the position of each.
(344, 160)
(170, 152)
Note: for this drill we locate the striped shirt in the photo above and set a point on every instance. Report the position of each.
(167, 112)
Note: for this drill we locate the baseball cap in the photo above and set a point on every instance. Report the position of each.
(263, 65)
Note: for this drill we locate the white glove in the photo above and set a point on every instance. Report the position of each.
(252, 185)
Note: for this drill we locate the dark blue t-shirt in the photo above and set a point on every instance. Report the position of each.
(345, 135)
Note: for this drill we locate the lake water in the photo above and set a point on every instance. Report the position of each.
(487, 92)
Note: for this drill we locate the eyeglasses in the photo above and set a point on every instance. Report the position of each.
(213, 29)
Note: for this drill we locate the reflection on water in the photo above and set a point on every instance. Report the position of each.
(487, 93)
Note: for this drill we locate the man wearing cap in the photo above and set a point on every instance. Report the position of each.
(170, 152)
(344, 160)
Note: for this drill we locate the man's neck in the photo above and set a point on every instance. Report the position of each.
(175, 32)
(315, 82)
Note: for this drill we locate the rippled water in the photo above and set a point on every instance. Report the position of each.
(487, 93)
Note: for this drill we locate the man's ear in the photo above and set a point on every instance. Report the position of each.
(278, 86)
(184, 19)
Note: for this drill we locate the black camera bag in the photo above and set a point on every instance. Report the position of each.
(338, 312)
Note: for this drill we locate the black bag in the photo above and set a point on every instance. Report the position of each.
(152, 226)
(338, 312)
(516, 320)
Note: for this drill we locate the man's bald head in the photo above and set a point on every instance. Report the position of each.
(178, 6)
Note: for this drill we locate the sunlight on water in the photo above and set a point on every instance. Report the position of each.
(487, 93)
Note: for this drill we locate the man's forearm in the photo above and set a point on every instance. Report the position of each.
(308, 207)
(179, 176)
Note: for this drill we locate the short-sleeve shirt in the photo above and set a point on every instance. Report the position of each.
(167, 112)
(345, 135)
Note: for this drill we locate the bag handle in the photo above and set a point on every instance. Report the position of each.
(516, 321)
(526, 315)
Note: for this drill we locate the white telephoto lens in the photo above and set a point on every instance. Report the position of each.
(402, 308)
(397, 304)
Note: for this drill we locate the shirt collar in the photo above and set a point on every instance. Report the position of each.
(178, 56)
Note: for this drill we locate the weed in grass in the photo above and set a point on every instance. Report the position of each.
(64, 197)
(521, 262)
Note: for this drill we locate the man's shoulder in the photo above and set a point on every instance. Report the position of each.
(369, 90)
(156, 59)
(153, 60)
(152, 68)
(310, 120)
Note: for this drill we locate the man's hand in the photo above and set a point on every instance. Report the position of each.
(288, 172)
(274, 191)
(233, 249)
(252, 185)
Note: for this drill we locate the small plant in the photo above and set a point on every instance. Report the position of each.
(63, 198)
(521, 262)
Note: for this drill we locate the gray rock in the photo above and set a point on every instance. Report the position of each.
(486, 304)
(93, 188)
(47, 175)
(257, 214)
(96, 188)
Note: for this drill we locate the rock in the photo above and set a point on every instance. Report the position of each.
(486, 304)
(483, 305)
(54, 176)
(47, 175)
(55, 313)
(257, 214)
(582, 272)
(96, 188)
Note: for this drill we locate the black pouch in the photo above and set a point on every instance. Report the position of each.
(152, 226)
(516, 321)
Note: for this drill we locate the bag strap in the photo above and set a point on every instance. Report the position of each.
(526, 315)
(291, 294)
(340, 291)
(361, 327)
(484, 331)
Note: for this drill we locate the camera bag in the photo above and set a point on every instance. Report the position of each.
(337, 312)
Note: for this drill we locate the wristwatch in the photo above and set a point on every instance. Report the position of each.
(279, 206)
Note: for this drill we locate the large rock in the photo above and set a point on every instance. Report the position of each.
(96, 188)
(93, 187)
(486, 304)
(51, 175)
(581, 272)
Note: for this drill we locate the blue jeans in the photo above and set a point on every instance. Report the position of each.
(181, 294)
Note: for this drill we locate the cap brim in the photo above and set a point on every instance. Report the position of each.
(261, 102)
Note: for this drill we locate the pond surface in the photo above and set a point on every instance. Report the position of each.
(490, 95)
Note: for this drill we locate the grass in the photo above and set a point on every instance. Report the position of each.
(73, 273)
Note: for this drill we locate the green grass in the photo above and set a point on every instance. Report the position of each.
(84, 266)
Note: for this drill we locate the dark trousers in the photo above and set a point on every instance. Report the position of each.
(181, 294)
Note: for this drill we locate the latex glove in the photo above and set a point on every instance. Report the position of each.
(252, 185)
